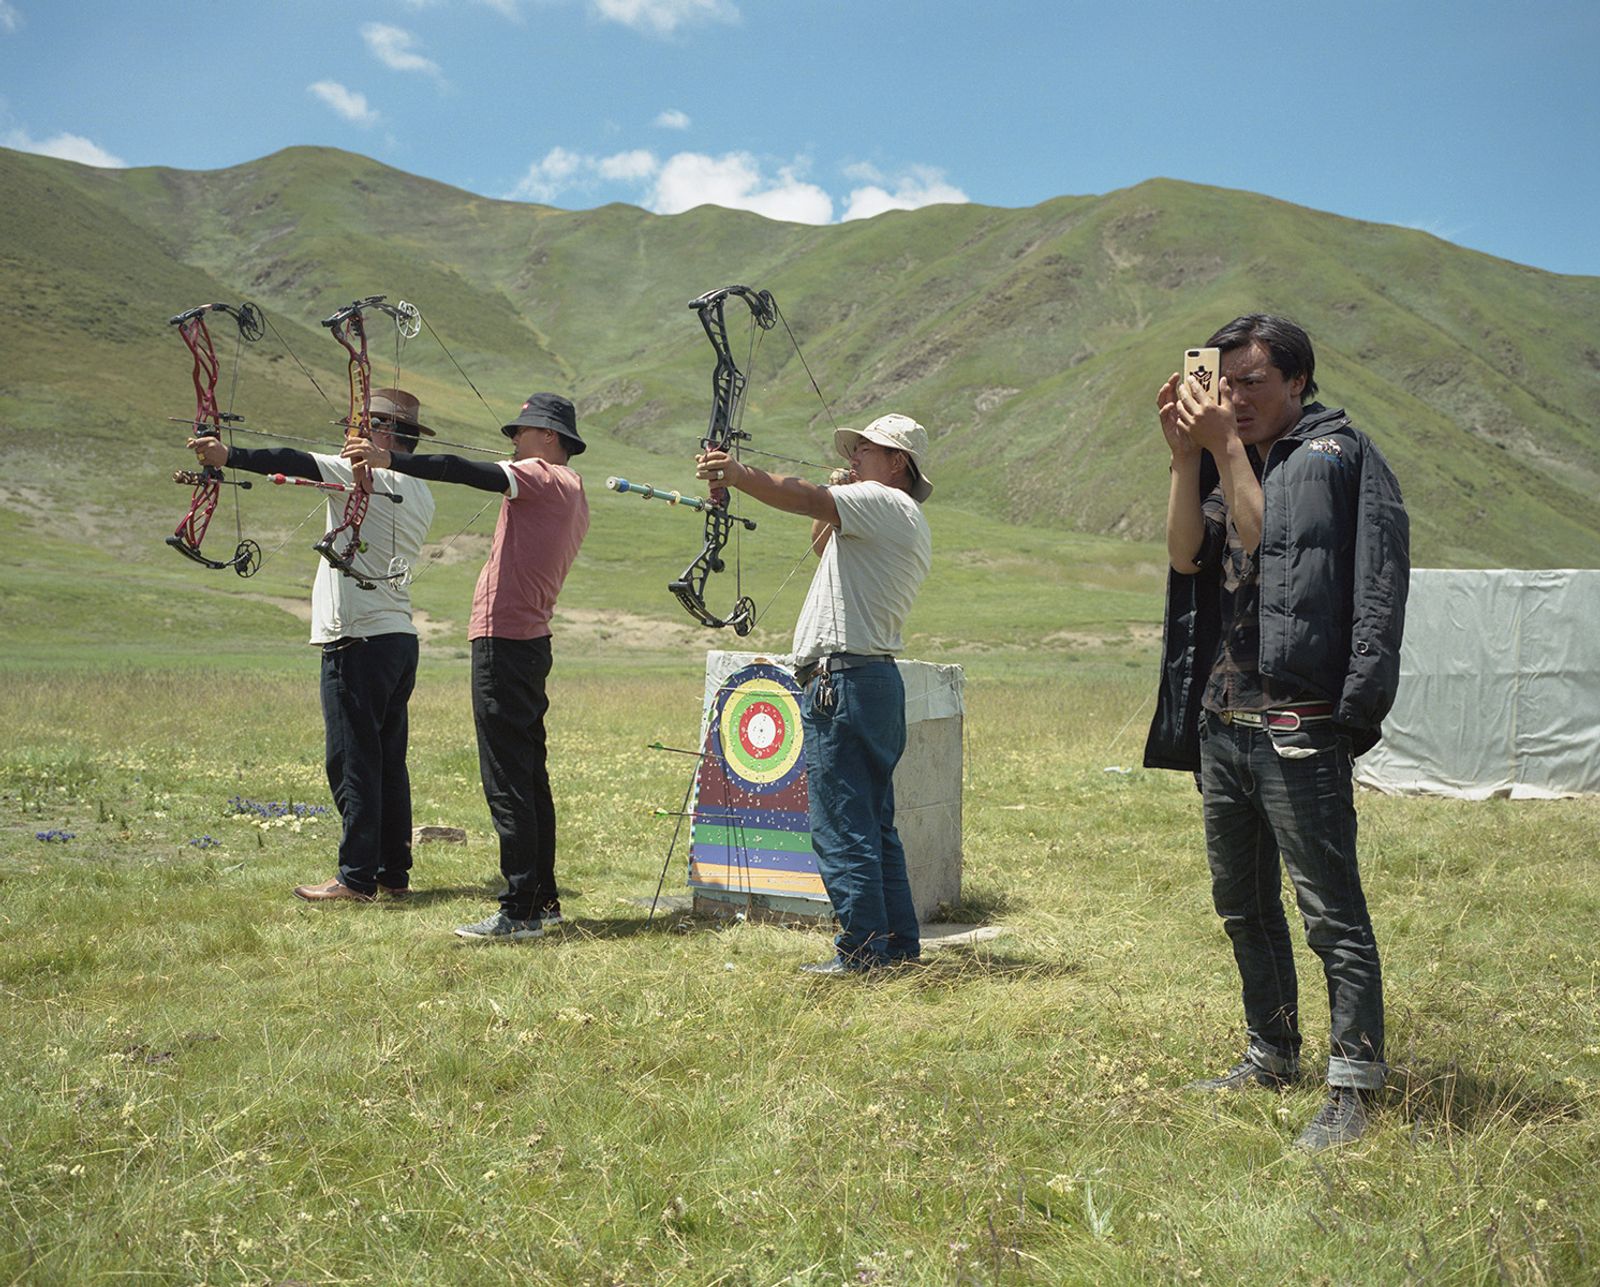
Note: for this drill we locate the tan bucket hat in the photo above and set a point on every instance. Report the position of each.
(902, 433)
(401, 407)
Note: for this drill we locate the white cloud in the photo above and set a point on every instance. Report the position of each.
(671, 119)
(919, 186)
(546, 179)
(394, 47)
(561, 170)
(66, 147)
(863, 172)
(627, 166)
(349, 103)
(735, 180)
(664, 16)
(10, 16)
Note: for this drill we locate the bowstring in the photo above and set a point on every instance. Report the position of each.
(752, 347)
(811, 548)
(493, 496)
(233, 392)
(283, 437)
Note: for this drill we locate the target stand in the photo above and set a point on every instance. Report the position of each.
(750, 838)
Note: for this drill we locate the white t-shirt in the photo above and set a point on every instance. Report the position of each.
(869, 575)
(341, 609)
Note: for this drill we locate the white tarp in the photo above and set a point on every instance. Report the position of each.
(1499, 688)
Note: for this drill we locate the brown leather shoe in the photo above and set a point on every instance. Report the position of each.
(333, 891)
(397, 892)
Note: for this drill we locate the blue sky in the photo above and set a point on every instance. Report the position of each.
(1477, 122)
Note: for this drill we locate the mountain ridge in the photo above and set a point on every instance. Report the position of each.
(1030, 341)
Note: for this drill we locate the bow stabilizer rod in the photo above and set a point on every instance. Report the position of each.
(647, 492)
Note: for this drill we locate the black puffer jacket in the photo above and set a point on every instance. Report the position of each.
(1335, 564)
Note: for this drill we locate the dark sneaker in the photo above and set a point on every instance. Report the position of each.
(502, 928)
(1244, 1075)
(1342, 1119)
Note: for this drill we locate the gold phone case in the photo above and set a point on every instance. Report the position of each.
(1205, 365)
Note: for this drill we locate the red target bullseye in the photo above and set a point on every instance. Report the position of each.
(761, 730)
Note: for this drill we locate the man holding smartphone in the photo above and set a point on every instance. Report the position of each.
(1290, 559)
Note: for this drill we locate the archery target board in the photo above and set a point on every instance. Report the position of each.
(749, 829)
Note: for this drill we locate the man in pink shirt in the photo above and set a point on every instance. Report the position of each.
(543, 520)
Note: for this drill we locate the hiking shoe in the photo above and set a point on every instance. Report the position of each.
(502, 928)
(550, 918)
(1342, 1119)
(1244, 1075)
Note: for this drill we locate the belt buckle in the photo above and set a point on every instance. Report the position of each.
(1225, 716)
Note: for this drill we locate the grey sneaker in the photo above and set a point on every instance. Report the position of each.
(551, 919)
(1244, 1075)
(502, 928)
(1342, 1119)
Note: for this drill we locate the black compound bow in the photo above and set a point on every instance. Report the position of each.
(723, 433)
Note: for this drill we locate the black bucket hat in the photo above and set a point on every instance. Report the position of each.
(549, 411)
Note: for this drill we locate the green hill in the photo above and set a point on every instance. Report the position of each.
(1030, 342)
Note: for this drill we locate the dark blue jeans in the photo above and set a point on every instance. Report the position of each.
(366, 684)
(852, 746)
(1261, 806)
(508, 709)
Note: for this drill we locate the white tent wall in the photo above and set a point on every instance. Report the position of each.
(1499, 688)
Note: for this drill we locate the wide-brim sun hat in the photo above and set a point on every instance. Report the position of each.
(901, 433)
(399, 407)
(549, 411)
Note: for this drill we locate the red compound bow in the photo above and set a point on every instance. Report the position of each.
(209, 421)
(349, 328)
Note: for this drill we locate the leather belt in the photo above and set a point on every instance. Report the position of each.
(1285, 717)
(833, 663)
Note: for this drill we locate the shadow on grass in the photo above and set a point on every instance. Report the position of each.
(961, 959)
(1452, 1098)
(977, 907)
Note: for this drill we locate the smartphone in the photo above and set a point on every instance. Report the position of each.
(1204, 365)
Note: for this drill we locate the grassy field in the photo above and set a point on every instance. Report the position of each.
(209, 1081)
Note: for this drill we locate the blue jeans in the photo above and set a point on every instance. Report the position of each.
(366, 685)
(1261, 806)
(852, 746)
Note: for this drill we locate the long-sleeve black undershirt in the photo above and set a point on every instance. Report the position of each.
(485, 475)
(274, 460)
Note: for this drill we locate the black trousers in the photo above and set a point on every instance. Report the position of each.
(366, 684)
(508, 708)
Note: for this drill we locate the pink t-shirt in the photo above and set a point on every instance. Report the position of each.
(543, 520)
